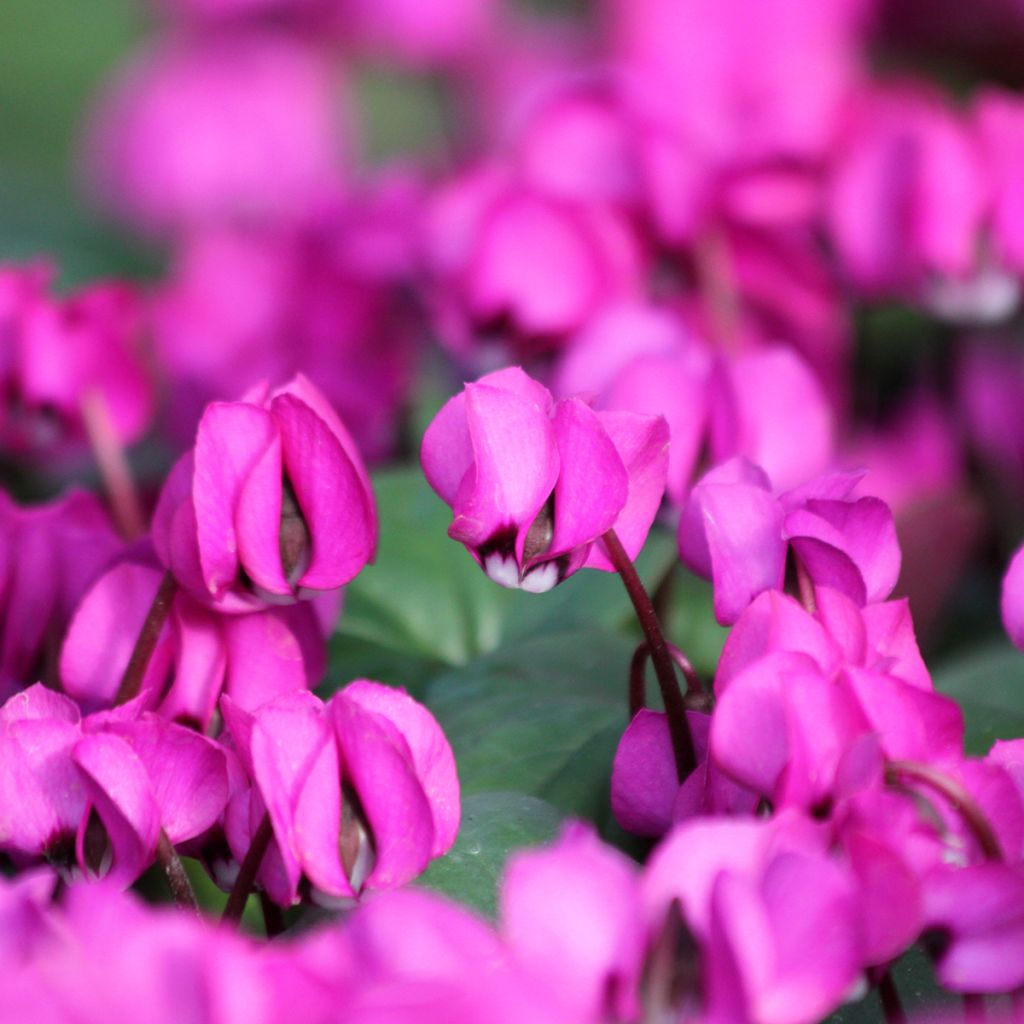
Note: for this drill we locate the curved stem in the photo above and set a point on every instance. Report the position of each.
(177, 879)
(135, 670)
(248, 871)
(696, 697)
(675, 709)
(958, 797)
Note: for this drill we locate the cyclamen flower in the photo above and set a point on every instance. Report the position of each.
(361, 791)
(534, 483)
(272, 504)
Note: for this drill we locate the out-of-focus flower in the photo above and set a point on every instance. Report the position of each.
(324, 297)
(1013, 599)
(534, 483)
(775, 916)
(361, 791)
(529, 267)
(273, 502)
(552, 897)
(238, 126)
(909, 194)
(49, 556)
(59, 358)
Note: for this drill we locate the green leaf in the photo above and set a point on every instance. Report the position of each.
(517, 718)
(988, 683)
(493, 826)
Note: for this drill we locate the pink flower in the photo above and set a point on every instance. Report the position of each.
(735, 531)
(361, 791)
(775, 916)
(273, 500)
(528, 266)
(228, 126)
(61, 356)
(534, 483)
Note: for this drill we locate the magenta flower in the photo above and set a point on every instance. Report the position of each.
(273, 502)
(534, 483)
(775, 916)
(1013, 599)
(531, 268)
(226, 126)
(103, 787)
(736, 531)
(361, 791)
(63, 357)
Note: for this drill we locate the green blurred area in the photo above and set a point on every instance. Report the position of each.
(53, 56)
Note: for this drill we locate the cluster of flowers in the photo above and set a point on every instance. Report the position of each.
(185, 661)
(668, 213)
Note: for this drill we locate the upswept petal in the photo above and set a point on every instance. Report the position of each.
(232, 439)
(377, 763)
(515, 465)
(118, 788)
(332, 494)
(431, 753)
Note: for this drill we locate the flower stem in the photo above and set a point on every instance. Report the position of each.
(696, 698)
(181, 887)
(958, 797)
(135, 670)
(248, 871)
(113, 466)
(892, 1007)
(675, 708)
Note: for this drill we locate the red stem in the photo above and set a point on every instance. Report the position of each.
(675, 708)
(958, 797)
(248, 871)
(135, 670)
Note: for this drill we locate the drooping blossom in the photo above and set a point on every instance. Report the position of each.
(361, 791)
(534, 483)
(736, 531)
(93, 794)
(272, 504)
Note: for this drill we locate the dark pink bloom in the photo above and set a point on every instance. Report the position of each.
(527, 266)
(109, 782)
(646, 795)
(534, 483)
(999, 116)
(62, 356)
(362, 792)
(775, 916)
(551, 899)
(909, 194)
(273, 500)
(226, 126)
(323, 297)
(796, 692)
(735, 531)
(200, 653)
(49, 556)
